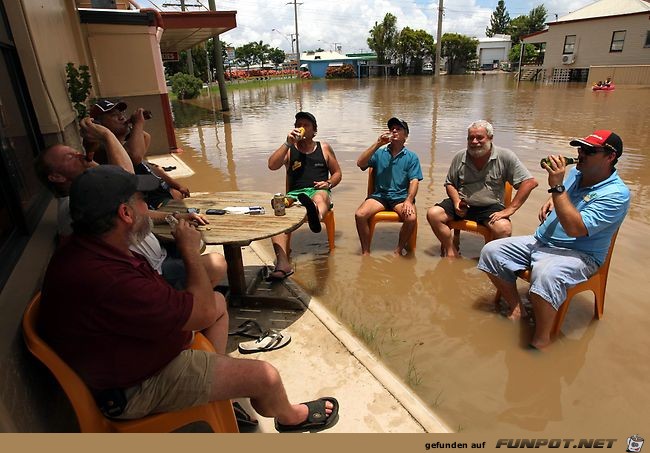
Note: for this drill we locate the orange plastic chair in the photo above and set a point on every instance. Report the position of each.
(328, 220)
(597, 284)
(386, 216)
(472, 227)
(219, 414)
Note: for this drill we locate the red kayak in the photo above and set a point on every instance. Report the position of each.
(611, 87)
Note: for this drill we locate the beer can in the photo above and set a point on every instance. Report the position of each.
(278, 204)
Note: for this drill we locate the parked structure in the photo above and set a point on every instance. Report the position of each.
(493, 52)
(37, 40)
(318, 62)
(608, 38)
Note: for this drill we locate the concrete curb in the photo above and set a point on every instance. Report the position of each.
(411, 402)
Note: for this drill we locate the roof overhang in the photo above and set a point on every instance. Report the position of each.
(184, 30)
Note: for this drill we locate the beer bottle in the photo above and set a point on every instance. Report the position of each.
(567, 161)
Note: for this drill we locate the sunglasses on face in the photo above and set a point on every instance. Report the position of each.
(590, 151)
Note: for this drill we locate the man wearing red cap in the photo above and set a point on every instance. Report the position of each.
(578, 222)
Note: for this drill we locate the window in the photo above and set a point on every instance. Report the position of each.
(618, 38)
(569, 44)
(647, 39)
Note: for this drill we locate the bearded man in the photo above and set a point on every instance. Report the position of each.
(475, 186)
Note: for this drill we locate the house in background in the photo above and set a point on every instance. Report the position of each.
(608, 38)
(318, 62)
(492, 52)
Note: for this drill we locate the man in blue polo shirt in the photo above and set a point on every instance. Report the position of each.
(397, 175)
(578, 222)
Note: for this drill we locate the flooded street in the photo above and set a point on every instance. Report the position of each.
(429, 319)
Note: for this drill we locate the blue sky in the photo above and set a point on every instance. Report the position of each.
(345, 23)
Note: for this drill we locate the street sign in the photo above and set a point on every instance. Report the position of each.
(169, 56)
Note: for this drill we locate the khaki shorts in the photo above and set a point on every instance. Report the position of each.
(185, 382)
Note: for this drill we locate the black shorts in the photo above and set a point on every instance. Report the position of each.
(479, 214)
(389, 205)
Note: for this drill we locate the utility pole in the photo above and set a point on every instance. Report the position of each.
(295, 18)
(439, 40)
(190, 63)
(218, 64)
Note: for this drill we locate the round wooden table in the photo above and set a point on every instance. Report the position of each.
(235, 230)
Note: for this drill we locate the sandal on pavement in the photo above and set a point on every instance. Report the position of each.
(269, 341)
(243, 419)
(278, 275)
(249, 328)
(317, 418)
(312, 212)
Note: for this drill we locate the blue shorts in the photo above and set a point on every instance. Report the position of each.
(553, 270)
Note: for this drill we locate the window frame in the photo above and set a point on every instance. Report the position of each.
(572, 44)
(647, 39)
(622, 41)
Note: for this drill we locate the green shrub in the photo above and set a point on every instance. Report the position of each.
(340, 72)
(79, 86)
(185, 86)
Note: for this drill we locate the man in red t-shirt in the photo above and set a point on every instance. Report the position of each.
(127, 332)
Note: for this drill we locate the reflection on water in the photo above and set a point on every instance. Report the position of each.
(431, 320)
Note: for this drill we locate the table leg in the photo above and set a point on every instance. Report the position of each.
(238, 295)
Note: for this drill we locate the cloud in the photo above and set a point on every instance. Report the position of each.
(330, 23)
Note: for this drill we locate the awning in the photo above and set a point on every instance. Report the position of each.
(184, 30)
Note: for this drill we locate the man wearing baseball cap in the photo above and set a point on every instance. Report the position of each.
(397, 176)
(312, 172)
(584, 211)
(127, 332)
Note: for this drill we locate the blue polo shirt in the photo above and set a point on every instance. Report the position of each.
(602, 206)
(393, 174)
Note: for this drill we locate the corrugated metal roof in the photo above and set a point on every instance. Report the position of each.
(607, 8)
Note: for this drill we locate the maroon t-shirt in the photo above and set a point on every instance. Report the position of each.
(110, 316)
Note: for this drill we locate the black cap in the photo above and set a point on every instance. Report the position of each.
(397, 122)
(100, 190)
(308, 116)
(105, 106)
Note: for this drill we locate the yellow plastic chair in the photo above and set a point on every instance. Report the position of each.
(473, 227)
(328, 221)
(386, 216)
(219, 414)
(597, 284)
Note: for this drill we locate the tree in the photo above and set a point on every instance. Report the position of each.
(525, 25)
(246, 54)
(277, 56)
(499, 22)
(459, 50)
(530, 52)
(383, 38)
(412, 48)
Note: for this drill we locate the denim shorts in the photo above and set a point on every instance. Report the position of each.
(553, 270)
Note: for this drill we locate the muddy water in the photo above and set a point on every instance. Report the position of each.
(428, 319)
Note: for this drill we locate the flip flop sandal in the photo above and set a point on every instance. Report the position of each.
(243, 419)
(277, 278)
(312, 212)
(250, 329)
(269, 341)
(317, 418)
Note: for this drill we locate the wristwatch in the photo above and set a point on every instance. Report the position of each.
(557, 189)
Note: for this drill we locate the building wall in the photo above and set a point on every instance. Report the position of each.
(621, 75)
(593, 40)
(488, 51)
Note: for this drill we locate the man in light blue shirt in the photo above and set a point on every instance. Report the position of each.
(578, 222)
(397, 175)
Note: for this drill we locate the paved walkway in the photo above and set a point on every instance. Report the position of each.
(324, 359)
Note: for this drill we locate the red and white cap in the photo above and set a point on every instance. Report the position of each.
(601, 138)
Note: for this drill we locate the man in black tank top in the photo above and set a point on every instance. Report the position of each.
(312, 171)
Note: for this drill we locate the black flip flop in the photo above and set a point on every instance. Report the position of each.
(278, 278)
(243, 419)
(317, 418)
(250, 329)
(312, 212)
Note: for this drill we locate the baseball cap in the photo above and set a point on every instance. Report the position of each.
(100, 190)
(308, 116)
(396, 121)
(601, 138)
(106, 105)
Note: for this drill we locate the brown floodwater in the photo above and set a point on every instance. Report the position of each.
(428, 319)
